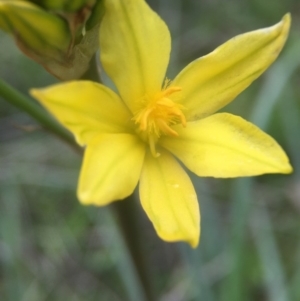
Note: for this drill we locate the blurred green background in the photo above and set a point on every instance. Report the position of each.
(52, 248)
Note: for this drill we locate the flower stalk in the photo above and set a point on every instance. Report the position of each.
(128, 222)
(125, 211)
(27, 105)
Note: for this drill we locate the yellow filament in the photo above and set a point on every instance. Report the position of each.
(152, 147)
(158, 115)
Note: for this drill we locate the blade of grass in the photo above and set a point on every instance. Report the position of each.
(200, 287)
(261, 226)
(119, 251)
(294, 286)
(201, 270)
(233, 288)
(242, 190)
(276, 80)
(264, 238)
(290, 123)
(10, 243)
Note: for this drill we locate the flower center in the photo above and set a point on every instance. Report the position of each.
(158, 115)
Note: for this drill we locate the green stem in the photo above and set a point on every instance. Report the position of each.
(127, 214)
(34, 110)
(92, 73)
(126, 210)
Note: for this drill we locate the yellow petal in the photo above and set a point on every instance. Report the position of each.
(135, 48)
(225, 146)
(85, 108)
(169, 199)
(111, 168)
(214, 80)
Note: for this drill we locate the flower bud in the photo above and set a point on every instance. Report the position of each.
(64, 5)
(61, 35)
(33, 27)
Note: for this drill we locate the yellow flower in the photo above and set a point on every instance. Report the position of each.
(137, 135)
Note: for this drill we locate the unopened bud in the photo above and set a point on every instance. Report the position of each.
(64, 5)
(61, 35)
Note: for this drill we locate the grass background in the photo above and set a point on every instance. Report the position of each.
(52, 248)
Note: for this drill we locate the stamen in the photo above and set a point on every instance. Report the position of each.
(158, 116)
(142, 119)
(171, 90)
(152, 147)
(164, 127)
